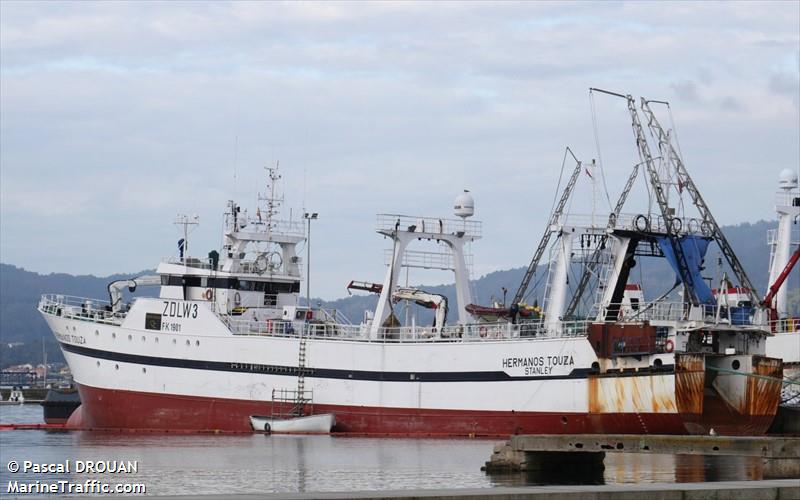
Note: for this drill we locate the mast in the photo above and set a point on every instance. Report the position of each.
(272, 202)
(548, 232)
(787, 205)
(671, 223)
(594, 259)
(186, 221)
(709, 224)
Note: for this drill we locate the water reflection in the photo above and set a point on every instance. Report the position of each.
(191, 464)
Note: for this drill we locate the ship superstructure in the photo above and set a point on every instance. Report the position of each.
(228, 331)
(784, 244)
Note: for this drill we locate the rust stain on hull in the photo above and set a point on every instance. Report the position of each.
(764, 394)
(703, 407)
(640, 394)
(690, 376)
(743, 405)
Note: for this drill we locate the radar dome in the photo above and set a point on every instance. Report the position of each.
(465, 205)
(787, 179)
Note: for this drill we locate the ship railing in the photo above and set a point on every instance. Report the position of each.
(410, 223)
(785, 325)
(772, 238)
(82, 308)
(659, 311)
(189, 262)
(334, 316)
(788, 199)
(452, 333)
(744, 316)
(644, 222)
(286, 227)
(427, 260)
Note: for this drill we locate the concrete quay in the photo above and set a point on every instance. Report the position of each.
(781, 455)
(786, 489)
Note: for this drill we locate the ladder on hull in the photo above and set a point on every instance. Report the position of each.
(299, 401)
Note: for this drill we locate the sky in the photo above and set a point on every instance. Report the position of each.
(115, 117)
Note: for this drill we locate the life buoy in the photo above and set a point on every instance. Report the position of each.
(237, 299)
(642, 223)
(482, 331)
(677, 225)
(269, 326)
(669, 346)
(208, 293)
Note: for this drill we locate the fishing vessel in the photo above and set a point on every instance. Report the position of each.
(227, 331)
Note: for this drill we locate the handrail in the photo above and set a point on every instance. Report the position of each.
(82, 308)
(454, 333)
(468, 228)
(786, 325)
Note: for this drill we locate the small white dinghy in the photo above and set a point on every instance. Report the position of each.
(310, 424)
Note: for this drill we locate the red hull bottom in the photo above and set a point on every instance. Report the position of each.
(108, 409)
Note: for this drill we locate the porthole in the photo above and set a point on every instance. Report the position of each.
(130, 337)
(174, 341)
(98, 364)
(144, 339)
(144, 370)
(116, 367)
(113, 335)
(735, 365)
(197, 343)
(188, 343)
(156, 340)
(96, 333)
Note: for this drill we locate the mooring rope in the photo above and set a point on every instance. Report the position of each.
(795, 381)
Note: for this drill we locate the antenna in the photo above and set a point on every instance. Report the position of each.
(271, 200)
(235, 160)
(186, 221)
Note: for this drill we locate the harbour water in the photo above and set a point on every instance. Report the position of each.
(196, 464)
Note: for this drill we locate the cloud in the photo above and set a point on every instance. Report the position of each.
(121, 114)
(686, 90)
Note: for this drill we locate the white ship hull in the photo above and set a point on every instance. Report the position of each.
(205, 379)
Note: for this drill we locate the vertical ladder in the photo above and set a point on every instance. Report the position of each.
(603, 267)
(300, 397)
(548, 284)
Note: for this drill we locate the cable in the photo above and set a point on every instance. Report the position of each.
(597, 146)
(558, 186)
(674, 131)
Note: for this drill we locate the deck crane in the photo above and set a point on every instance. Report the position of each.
(773, 289)
(435, 301)
(709, 224)
(526, 279)
(672, 224)
(115, 288)
(594, 259)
